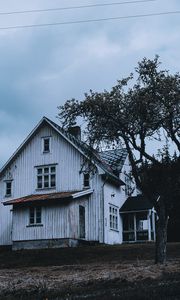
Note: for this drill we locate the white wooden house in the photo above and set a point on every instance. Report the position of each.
(54, 193)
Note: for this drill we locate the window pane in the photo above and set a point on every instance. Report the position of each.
(39, 184)
(8, 188)
(53, 169)
(116, 223)
(31, 216)
(46, 170)
(53, 180)
(46, 145)
(38, 215)
(39, 171)
(46, 181)
(8, 184)
(86, 180)
(31, 221)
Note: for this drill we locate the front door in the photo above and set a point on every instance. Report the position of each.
(82, 231)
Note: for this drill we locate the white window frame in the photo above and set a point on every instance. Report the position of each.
(8, 188)
(43, 144)
(33, 215)
(113, 217)
(46, 177)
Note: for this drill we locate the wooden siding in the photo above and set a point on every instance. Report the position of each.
(24, 173)
(5, 225)
(58, 221)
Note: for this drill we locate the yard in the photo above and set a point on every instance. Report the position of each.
(90, 272)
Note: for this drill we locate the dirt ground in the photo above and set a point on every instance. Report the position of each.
(95, 272)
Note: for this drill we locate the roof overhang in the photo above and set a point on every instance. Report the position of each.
(137, 203)
(136, 211)
(50, 198)
(112, 179)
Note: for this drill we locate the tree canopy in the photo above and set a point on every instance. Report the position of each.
(142, 107)
(139, 109)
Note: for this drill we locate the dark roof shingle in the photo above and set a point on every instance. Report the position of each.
(136, 203)
(114, 158)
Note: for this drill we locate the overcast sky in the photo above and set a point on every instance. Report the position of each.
(40, 68)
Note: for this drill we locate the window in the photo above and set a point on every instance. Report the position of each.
(46, 144)
(113, 217)
(8, 188)
(128, 187)
(86, 180)
(35, 215)
(46, 177)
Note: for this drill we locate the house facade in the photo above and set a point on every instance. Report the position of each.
(54, 193)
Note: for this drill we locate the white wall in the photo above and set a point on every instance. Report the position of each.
(58, 221)
(112, 196)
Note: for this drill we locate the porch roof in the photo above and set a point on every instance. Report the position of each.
(50, 197)
(136, 203)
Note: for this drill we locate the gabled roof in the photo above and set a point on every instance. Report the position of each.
(50, 197)
(136, 203)
(82, 147)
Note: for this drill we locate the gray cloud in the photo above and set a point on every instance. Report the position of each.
(43, 67)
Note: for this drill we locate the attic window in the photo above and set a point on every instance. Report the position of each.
(86, 180)
(46, 144)
(8, 188)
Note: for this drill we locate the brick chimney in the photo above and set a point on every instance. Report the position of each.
(75, 131)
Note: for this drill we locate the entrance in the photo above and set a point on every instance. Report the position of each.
(82, 231)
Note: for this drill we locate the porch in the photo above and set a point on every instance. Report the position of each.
(138, 220)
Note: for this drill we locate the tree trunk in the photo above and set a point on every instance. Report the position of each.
(161, 234)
